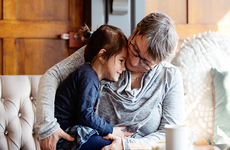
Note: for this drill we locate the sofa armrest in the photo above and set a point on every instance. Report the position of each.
(18, 95)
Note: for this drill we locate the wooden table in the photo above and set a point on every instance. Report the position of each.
(161, 146)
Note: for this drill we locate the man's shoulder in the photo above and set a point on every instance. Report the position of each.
(167, 64)
(72, 62)
(79, 52)
(170, 68)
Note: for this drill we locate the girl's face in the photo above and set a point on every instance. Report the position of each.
(116, 65)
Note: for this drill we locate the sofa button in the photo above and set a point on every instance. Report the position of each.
(6, 133)
(31, 98)
(19, 115)
(2, 99)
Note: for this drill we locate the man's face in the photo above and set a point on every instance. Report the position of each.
(138, 58)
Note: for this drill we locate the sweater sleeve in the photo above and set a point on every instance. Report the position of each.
(46, 123)
(173, 110)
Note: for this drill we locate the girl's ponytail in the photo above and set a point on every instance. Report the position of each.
(85, 34)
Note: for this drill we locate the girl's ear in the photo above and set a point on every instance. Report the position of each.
(100, 55)
(101, 52)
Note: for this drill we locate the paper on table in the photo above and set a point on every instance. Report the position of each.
(223, 135)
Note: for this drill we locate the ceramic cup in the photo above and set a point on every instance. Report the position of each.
(177, 137)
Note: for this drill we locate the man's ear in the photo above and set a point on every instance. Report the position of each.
(100, 55)
(134, 31)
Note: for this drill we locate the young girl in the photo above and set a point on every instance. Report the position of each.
(77, 95)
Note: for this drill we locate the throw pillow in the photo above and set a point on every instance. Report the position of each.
(221, 89)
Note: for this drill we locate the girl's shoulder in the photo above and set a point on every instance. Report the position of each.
(85, 69)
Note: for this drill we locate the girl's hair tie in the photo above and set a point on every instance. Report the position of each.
(89, 34)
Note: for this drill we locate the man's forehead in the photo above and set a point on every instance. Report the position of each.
(142, 43)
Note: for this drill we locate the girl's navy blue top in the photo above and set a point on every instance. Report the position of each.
(75, 99)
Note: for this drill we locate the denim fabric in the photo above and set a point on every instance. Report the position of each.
(81, 135)
(95, 142)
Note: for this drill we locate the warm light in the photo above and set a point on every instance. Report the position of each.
(225, 20)
(223, 24)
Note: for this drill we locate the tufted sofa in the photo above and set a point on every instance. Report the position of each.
(17, 112)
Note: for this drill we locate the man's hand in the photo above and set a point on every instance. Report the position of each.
(115, 145)
(117, 131)
(50, 142)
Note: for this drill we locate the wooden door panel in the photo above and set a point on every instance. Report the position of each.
(1, 57)
(35, 56)
(42, 9)
(76, 14)
(176, 9)
(30, 32)
(208, 11)
(33, 29)
(9, 56)
(32, 56)
(9, 9)
(1, 9)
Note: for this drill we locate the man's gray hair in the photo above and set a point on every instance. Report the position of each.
(161, 34)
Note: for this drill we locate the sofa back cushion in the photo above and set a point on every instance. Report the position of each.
(17, 111)
(195, 59)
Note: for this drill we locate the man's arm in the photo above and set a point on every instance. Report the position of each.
(46, 124)
(50, 142)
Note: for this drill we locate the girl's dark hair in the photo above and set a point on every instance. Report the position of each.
(107, 37)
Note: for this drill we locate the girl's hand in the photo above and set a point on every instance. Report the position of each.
(117, 131)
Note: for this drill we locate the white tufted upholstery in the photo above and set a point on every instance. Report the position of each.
(195, 59)
(17, 112)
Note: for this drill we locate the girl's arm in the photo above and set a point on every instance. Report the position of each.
(46, 124)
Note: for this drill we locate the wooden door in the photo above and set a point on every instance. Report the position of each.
(30, 32)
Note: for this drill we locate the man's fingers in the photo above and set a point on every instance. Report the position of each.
(110, 137)
(128, 138)
(67, 137)
(122, 128)
(105, 148)
(128, 133)
(107, 137)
